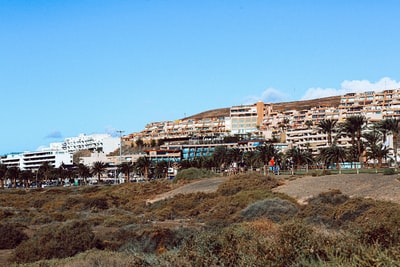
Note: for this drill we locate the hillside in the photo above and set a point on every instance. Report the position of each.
(242, 220)
(282, 106)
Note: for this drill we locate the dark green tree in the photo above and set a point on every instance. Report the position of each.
(13, 174)
(84, 172)
(332, 155)
(353, 126)
(327, 126)
(3, 171)
(98, 169)
(126, 168)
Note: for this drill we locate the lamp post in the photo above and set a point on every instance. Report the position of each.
(120, 149)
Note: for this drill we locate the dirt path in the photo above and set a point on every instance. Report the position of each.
(375, 186)
(205, 185)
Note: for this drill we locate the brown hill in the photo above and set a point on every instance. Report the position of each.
(214, 113)
(293, 105)
(332, 101)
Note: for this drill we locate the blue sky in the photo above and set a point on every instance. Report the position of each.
(70, 67)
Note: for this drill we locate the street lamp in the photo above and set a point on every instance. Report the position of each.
(120, 149)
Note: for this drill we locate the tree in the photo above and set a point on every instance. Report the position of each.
(25, 176)
(3, 171)
(332, 154)
(266, 152)
(327, 126)
(220, 156)
(143, 164)
(13, 174)
(126, 168)
(84, 172)
(235, 155)
(98, 169)
(374, 147)
(46, 169)
(160, 169)
(251, 158)
(353, 126)
(391, 126)
(299, 156)
(139, 143)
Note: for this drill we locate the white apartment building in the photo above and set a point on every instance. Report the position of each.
(104, 142)
(33, 160)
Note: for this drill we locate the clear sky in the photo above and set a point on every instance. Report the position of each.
(93, 66)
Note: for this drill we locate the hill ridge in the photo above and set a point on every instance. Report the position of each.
(332, 101)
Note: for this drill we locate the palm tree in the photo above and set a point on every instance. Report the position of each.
(251, 158)
(13, 174)
(235, 154)
(143, 164)
(299, 156)
(46, 169)
(391, 126)
(160, 169)
(220, 156)
(266, 152)
(375, 149)
(353, 126)
(25, 176)
(84, 172)
(332, 154)
(3, 171)
(126, 168)
(327, 126)
(98, 169)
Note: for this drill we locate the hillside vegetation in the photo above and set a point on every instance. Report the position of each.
(243, 223)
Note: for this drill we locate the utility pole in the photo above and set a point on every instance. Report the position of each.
(120, 149)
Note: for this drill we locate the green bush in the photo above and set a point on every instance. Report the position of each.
(11, 236)
(388, 171)
(56, 242)
(193, 174)
(275, 209)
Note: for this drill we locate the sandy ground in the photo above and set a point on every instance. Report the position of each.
(205, 185)
(375, 186)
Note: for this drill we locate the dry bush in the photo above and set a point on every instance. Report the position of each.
(247, 182)
(275, 209)
(193, 174)
(379, 224)
(93, 258)
(11, 235)
(56, 241)
(323, 209)
(157, 240)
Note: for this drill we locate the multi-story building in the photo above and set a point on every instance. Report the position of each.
(246, 119)
(33, 160)
(103, 142)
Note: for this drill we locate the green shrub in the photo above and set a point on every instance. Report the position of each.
(247, 182)
(11, 236)
(326, 172)
(332, 197)
(193, 174)
(388, 171)
(275, 209)
(95, 203)
(56, 242)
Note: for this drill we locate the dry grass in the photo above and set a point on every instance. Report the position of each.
(243, 223)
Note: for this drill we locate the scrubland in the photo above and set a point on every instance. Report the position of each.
(243, 223)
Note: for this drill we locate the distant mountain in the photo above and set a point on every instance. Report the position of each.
(214, 113)
(332, 101)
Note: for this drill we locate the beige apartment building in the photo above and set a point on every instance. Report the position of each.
(295, 125)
